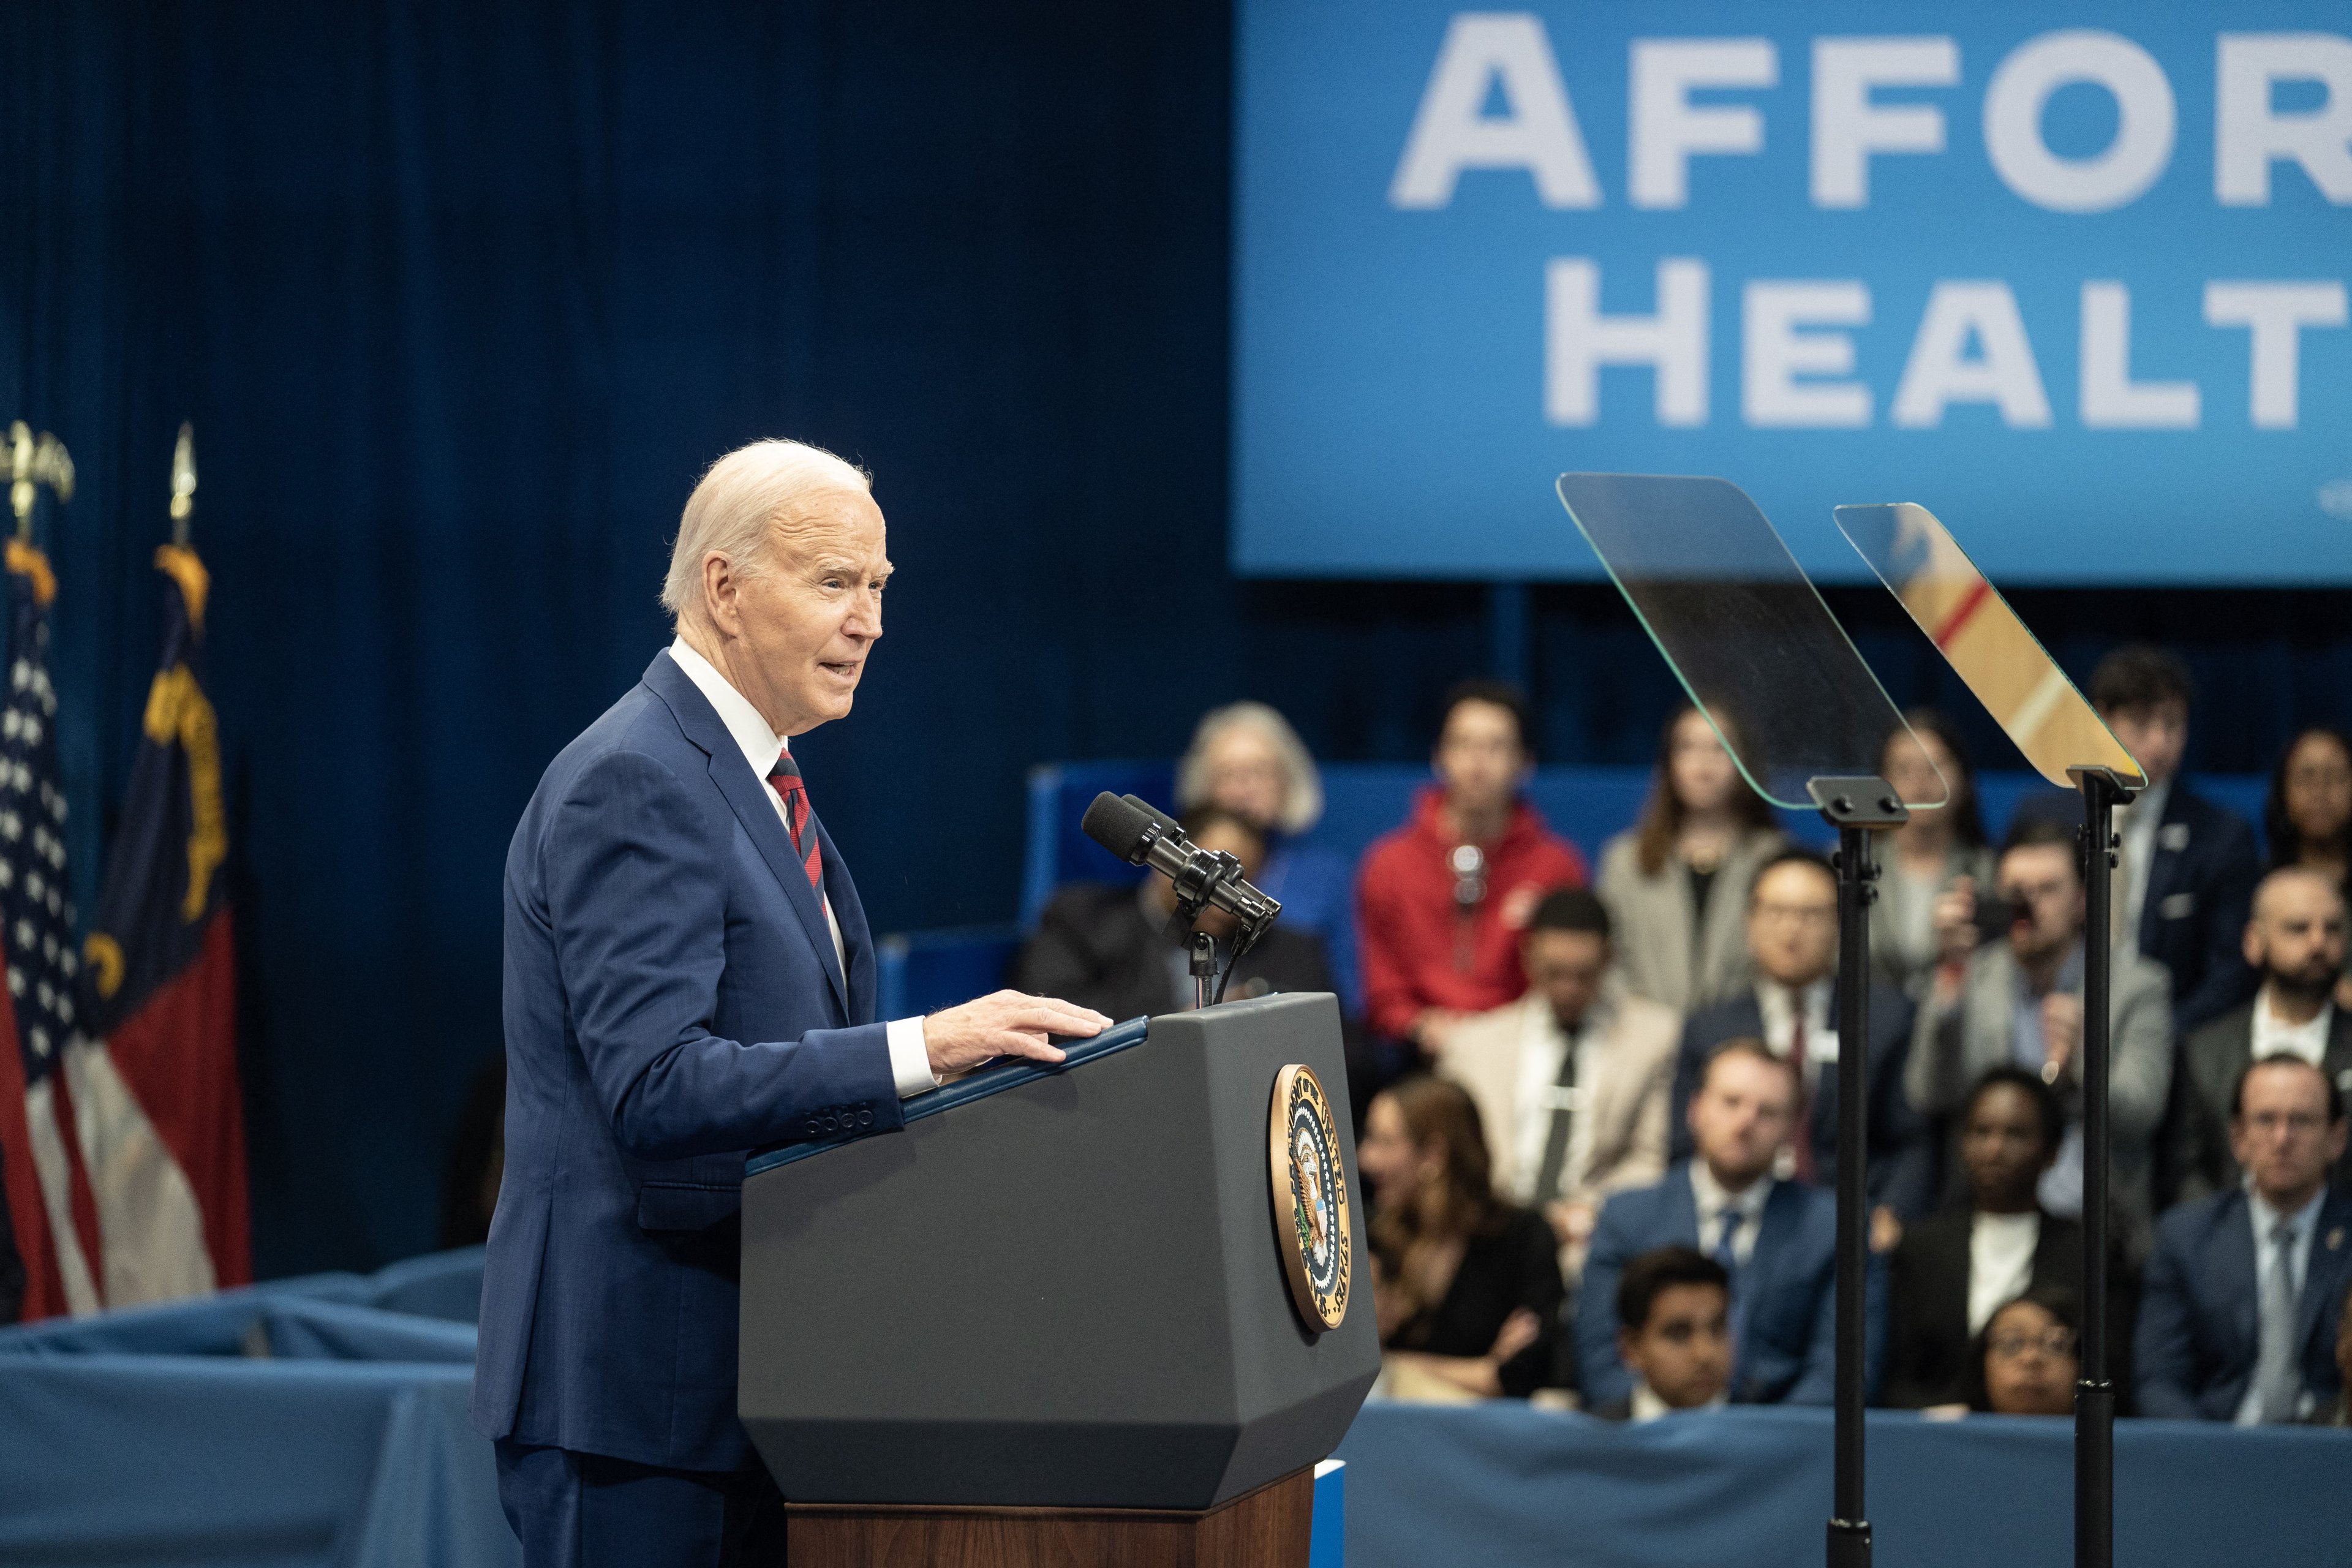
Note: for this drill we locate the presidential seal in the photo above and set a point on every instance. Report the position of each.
(1310, 1198)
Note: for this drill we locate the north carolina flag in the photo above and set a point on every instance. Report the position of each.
(154, 1076)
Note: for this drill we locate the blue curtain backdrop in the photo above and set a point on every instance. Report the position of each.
(462, 296)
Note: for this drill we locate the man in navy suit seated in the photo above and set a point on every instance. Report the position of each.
(2239, 1320)
(1792, 935)
(1777, 1239)
(690, 976)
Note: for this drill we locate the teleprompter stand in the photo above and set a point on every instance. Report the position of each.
(1809, 727)
(1856, 808)
(2067, 743)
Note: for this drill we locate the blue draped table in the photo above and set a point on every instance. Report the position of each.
(322, 1423)
(1499, 1485)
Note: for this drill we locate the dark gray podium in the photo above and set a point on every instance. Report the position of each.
(1055, 1289)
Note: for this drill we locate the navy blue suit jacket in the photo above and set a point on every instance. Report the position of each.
(2201, 1315)
(1902, 1157)
(1788, 1292)
(672, 1001)
(2201, 889)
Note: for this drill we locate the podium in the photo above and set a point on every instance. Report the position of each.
(1053, 1318)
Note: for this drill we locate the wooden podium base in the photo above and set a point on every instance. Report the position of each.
(1268, 1528)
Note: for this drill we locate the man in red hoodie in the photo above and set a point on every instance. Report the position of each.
(1440, 902)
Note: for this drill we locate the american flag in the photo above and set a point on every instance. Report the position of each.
(37, 924)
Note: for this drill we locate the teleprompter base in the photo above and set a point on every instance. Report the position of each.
(1267, 1528)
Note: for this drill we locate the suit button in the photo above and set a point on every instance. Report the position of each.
(864, 1116)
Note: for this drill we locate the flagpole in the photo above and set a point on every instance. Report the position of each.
(183, 483)
(34, 461)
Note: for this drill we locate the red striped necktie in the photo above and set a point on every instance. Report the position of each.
(785, 779)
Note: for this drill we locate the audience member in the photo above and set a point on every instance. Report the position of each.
(1571, 1079)
(1953, 1272)
(1246, 759)
(1793, 942)
(1107, 946)
(1441, 902)
(2026, 1362)
(2341, 1416)
(1674, 1335)
(1465, 1286)
(2018, 999)
(1678, 884)
(1775, 1239)
(2185, 876)
(2240, 1321)
(2309, 814)
(2295, 941)
(1928, 855)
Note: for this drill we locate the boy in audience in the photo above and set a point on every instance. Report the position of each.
(1674, 1335)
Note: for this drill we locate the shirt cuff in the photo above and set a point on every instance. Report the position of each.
(911, 1059)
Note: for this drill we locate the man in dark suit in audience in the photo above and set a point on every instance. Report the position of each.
(1777, 1239)
(1107, 946)
(2295, 943)
(2239, 1322)
(1792, 1008)
(2185, 878)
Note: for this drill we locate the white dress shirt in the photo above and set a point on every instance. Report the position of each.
(911, 1059)
(1714, 1202)
(1648, 1406)
(2001, 1261)
(2304, 1221)
(1542, 1046)
(2307, 1040)
(1779, 1006)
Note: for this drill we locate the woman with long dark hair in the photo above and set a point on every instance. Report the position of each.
(1467, 1288)
(1676, 885)
(2309, 812)
(1939, 849)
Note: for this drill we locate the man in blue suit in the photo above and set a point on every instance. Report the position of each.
(2239, 1319)
(690, 976)
(1777, 1239)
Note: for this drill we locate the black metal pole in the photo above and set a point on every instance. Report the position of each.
(2095, 1396)
(1854, 806)
(1849, 1528)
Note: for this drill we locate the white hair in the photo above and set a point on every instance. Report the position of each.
(1302, 790)
(732, 509)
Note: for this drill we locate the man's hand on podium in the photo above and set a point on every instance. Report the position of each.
(1005, 1024)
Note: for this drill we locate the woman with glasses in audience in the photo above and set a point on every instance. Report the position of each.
(2026, 1363)
(1246, 759)
(1939, 849)
(1676, 885)
(2308, 815)
(1466, 1288)
(1950, 1275)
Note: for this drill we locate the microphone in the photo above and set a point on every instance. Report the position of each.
(1141, 835)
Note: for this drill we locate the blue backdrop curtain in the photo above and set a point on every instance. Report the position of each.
(462, 296)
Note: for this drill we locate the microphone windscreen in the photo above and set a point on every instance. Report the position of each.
(1117, 826)
(1169, 827)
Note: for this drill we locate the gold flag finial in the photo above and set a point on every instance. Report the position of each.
(34, 461)
(183, 483)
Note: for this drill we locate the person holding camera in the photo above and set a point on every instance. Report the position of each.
(2007, 988)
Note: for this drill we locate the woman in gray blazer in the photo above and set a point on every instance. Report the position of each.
(1676, 885)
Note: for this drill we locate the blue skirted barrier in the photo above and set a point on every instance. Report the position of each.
(322, 1422)
(1501, 1485)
